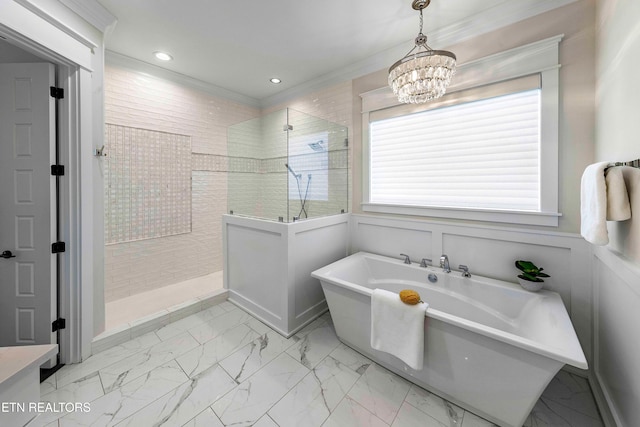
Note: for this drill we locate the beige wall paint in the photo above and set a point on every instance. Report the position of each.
(577, 115)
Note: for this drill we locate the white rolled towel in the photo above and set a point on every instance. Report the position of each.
(618, 206)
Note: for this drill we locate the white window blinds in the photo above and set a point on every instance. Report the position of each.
(483, 154)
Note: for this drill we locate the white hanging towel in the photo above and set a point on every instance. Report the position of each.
(398, 328)
(594, 197)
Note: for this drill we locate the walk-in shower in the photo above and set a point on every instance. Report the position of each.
(287, 204)
(287, 166)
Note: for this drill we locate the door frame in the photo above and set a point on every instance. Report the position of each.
(76, 193)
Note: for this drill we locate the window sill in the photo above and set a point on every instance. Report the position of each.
(547, 219)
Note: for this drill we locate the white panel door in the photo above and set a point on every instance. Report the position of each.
(27, 204)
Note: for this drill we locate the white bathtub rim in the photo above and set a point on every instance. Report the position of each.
(571, 354)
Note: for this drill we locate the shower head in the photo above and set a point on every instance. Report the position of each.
(295, 175)
(317, 146)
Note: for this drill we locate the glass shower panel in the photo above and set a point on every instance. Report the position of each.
(287, 166)
(315, 147)
(257, 151)
(273, 172)
(338, 169)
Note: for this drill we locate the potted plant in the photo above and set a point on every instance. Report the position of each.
(531, 275)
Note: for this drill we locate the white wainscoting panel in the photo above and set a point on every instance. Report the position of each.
(268, 265)
(489, 251)
(616, 338)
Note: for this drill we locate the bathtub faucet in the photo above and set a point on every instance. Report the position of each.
(407, 260)
(444, 264)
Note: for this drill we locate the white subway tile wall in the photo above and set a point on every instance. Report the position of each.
(137, 100)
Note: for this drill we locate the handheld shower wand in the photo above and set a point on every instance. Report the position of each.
(296, 175)
(303, 201)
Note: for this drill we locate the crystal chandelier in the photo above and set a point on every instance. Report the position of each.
(423, 74)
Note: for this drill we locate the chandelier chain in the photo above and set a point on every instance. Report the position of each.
(421, 39)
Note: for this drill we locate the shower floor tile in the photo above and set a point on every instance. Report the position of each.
(229, 368)
(130, 309)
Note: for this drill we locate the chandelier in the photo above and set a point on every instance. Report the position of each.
(423, 74)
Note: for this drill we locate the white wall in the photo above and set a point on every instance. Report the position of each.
(617, 266)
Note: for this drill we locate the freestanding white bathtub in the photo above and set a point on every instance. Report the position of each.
(490, 346)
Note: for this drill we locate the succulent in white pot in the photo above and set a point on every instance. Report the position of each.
(531, 276)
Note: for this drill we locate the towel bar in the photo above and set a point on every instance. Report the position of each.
(633, 163)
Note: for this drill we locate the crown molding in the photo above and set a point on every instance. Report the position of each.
(489, 20)
(492, 19)
(92, 12)
(53, 17)
(123, 61)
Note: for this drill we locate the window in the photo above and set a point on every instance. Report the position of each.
(485, 151)
(480, 154)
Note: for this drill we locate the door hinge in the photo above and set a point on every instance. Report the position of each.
(58, 247)
(58, 324)
(57, 170)
(56, 92)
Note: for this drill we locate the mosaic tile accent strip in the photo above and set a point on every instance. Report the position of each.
(209, 162)
(147, 184)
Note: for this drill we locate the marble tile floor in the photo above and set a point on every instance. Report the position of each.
(223, 367)
(126, 310)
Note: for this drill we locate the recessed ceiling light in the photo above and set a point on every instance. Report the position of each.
(163, 56)
(275, 80)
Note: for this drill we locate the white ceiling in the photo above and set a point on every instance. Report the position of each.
(240, 45)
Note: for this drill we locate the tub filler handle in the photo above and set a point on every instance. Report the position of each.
(407, 260)
(425, 262)
(465, 270)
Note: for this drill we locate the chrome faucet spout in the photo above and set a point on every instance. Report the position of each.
(444, 264)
